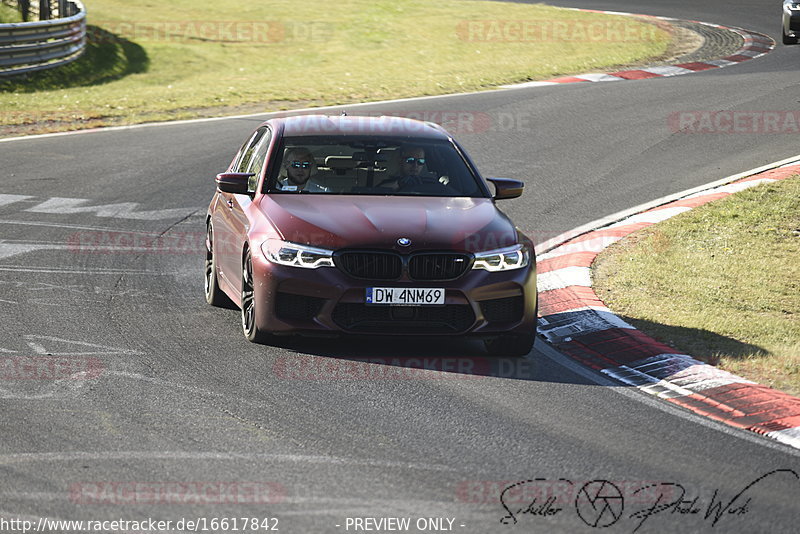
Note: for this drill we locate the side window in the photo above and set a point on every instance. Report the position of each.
(246, 154)
(256, 163)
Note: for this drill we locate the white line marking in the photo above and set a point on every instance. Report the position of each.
(702, 376)
(597, 244)
(109, 271)
(8, 250)
(565, 325)
(527, 85)
(599, 78)
(667, 362)
(652, 217)
(733, 188)
(27, 457)
(77, 227)
(668, 71)
(28, 242)
(10, 199)
(790, 436)
(78, 380)
(38, 349)
(123, 210)
(600, 309)
(70, 386)
(98, 349)
(160, 382)
(692, 376)
(749, 53)
(720, 62)
(561, 278)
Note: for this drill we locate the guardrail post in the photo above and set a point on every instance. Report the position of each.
(25, 8)
(44, 9)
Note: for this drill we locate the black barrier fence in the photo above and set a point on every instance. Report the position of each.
(43, 9)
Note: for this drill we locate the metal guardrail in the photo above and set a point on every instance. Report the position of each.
(46, 43)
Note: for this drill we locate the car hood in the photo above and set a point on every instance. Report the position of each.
(345, 221)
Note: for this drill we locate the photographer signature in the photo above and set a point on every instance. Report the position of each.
(601, 503)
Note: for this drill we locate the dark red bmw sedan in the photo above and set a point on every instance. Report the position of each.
(368, 225)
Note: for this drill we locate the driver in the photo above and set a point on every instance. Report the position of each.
(412, 161)
(412, 164)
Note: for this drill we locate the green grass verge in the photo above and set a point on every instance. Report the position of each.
(721, 282)
(182, 59)
(9, 14)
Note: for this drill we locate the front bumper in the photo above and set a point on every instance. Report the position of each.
(294, 300)
(791, 21)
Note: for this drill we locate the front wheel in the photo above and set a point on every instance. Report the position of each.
(511, 345)
(249, 304)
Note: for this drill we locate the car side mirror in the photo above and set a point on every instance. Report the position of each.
(233, 182)
(506, 188)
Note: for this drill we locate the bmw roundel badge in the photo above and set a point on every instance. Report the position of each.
(404, 241)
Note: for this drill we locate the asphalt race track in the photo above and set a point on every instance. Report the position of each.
(144, 402)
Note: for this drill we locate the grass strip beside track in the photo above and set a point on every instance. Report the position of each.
(721, 283)
(182, 59)
(9, 14)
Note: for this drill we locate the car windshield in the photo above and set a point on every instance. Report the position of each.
(375, 166)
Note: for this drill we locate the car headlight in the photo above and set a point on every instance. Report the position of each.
(295, 255)
(504, 259)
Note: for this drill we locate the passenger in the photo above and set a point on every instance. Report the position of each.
(297, 168)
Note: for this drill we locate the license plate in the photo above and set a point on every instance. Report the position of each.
(402, 296)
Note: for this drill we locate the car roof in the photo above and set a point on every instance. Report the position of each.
(348, 125)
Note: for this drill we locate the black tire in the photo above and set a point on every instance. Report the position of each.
(214, 295)
(788, 40)
(511, 345)
(250, 304)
